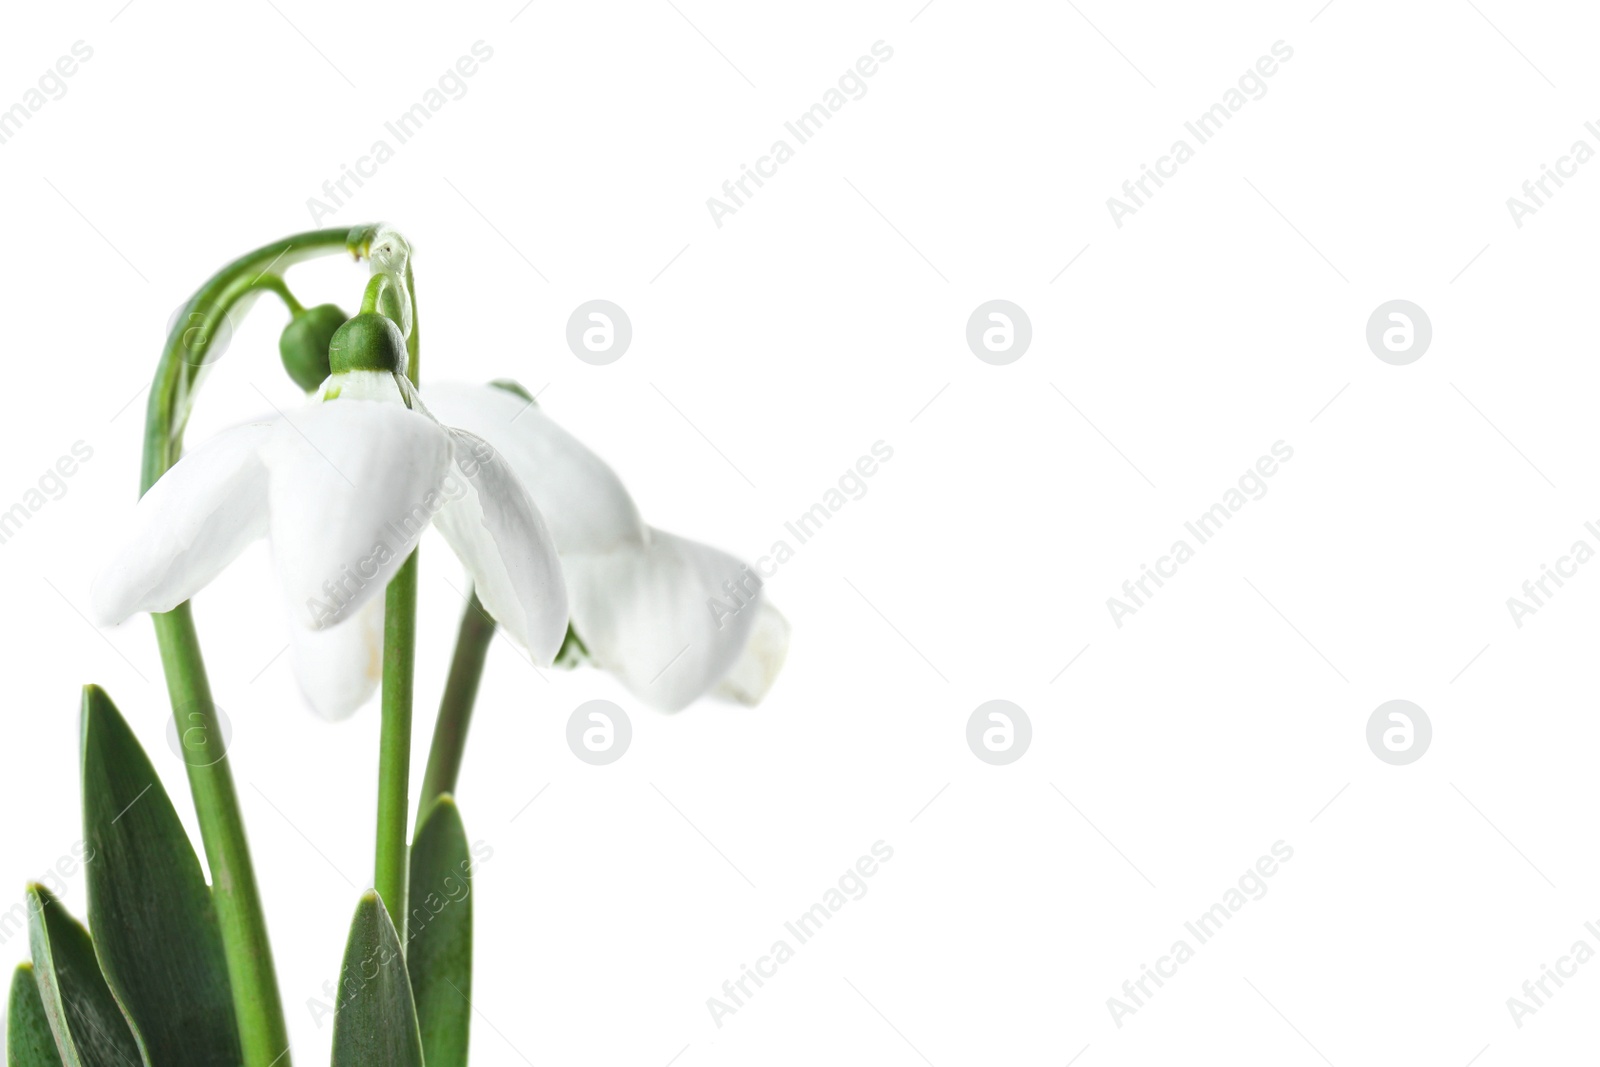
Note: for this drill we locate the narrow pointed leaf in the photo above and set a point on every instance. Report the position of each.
(29, 1042)
(89, 1028)
(439, 934)
(155, 925)
(376, 1021)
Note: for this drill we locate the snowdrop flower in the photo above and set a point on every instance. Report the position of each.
(671, 618)
(343, 489)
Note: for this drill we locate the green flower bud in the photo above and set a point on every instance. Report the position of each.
(368, 342)
(304, 344)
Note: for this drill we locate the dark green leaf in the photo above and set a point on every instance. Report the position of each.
(376, 1021)
(151, 910)
(89, 1028)
(439, 934)
(29, 1042)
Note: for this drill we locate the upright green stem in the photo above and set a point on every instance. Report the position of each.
(394, 744)
(399, 658)
(251, 974)
(455, 708)
(414, 338)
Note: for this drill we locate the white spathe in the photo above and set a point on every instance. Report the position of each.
(673, 619)
(343, 489)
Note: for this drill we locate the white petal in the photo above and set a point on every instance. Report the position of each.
(352, 485)
(758, 665)
(493, 526)
(660, 618)
(191, 524)
(581, 498)
(339, 667)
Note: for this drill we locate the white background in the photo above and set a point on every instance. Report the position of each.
(828, 314)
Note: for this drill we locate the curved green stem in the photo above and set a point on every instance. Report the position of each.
(239, 914)
(186, 351)
(273, 283)
(455, 707)
(383, 296)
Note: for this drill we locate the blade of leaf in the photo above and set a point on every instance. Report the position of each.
(89, 1028)
(375, 1024)
(439, 934)
(29, 1042)
(150, 907)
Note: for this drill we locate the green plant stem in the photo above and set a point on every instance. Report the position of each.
(251, 973)
(249, 954)
(277, 285)
(392, 863)
(381, 296)
(394, 743)
(414, 338)
(455, 707)
(203, 318)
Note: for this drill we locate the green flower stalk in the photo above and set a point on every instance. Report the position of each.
(368, 342)
(251, 972)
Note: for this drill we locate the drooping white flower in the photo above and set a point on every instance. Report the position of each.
(343, 490)
(671, 618)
